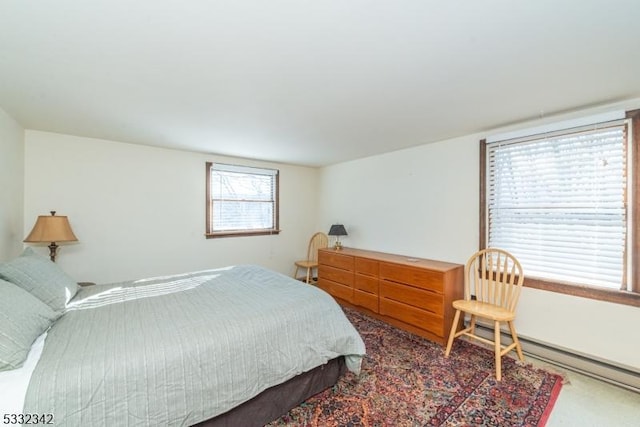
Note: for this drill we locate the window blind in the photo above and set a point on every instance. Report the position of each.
(242, 198)
(558, 203)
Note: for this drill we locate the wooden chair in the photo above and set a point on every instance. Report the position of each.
(318, 240)
(496, 277)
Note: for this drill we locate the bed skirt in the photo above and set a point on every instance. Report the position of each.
(278, 400)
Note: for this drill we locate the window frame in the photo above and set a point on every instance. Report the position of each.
(626, 297)
(240, 233)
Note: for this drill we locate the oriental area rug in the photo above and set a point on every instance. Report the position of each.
(406, 381)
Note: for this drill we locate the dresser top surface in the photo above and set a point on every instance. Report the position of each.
(394, 258)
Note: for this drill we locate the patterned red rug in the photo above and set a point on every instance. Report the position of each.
(406, 381)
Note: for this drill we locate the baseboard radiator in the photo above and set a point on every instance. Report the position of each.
(622, 376)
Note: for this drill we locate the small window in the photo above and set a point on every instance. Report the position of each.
(563, 203)
(241, 200)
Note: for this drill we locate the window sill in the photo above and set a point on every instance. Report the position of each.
(600, 294)
(241, 233)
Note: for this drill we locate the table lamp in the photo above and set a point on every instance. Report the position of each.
(337, 230)
(51, 228)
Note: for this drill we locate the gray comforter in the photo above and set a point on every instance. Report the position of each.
(181, 349)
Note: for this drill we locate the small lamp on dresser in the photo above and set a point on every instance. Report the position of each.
(337, 230)
(51, 229)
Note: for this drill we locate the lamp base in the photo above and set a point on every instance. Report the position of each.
(53, 248)
(337, 246)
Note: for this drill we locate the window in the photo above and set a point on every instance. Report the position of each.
(563, 202)
(241, 201)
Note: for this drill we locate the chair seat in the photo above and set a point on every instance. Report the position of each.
(306, 264)
(486, 310)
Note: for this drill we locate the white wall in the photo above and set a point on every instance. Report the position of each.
(424, 202)
(11, 181)
(415, 201)
(139, 211)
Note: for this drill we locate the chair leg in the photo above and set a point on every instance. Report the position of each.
(514, 336)
(498, 350)
(452, 334)
(472, 325)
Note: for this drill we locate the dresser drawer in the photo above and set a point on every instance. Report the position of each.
(336, 289)
(413, 316)
(334, 259)
(366, 300)
(426, 300)
(366, 283)
(367, 267)
(344, 277)
(417, 277)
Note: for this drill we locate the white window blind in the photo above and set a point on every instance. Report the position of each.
(242, 198)
(558, 203)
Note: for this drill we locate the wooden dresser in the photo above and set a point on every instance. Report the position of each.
(412, 294)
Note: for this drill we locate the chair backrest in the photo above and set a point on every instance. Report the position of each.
(318, 240)
(496, 277)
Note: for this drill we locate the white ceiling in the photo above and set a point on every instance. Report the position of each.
(309, 82)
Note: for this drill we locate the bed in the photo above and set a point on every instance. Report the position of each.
(239, 345)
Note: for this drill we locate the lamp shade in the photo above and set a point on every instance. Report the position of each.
(51, 228)
(337, 230)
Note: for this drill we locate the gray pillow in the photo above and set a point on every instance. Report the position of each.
(40, 277)
(23, 318)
